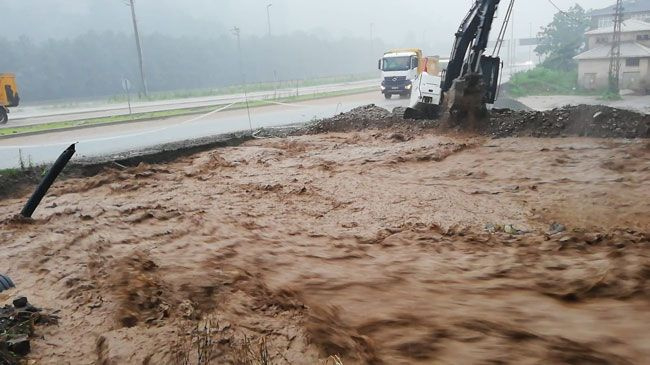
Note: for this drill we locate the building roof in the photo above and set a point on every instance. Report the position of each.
(628, 26)
(628, 50)
(629, 6)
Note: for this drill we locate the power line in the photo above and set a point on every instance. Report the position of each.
(504, 28)
(565, 13)
(557, 7)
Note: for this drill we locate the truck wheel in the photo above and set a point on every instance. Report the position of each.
(387, 96)
(3, 116)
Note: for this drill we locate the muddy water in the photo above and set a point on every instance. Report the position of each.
(366, 245)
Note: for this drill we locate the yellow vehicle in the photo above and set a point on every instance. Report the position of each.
(8, 95)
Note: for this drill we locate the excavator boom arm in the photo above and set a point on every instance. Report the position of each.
(473, 36)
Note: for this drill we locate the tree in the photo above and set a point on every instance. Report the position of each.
(563, 39)
(92, 65)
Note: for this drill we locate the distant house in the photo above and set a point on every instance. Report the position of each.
(632, 9)
(593, 64)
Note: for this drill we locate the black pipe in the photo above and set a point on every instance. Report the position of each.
(47, 182)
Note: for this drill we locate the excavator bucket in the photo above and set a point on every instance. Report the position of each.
(464, 104)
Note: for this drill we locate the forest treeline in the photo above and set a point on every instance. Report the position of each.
(93, 65)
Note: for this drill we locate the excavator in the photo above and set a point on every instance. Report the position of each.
(8, 95)
(471, 79)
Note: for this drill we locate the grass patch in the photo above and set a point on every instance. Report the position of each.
(238, 89)
(14, 182)
(165, 113)
(610, 96)
(544, 81)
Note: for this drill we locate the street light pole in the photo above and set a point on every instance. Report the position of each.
(268, 17)
(237, 32)
(138, 44)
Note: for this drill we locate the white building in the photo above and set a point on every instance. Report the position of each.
(632, 9)
(593, 64)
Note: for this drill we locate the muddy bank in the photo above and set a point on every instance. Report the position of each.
(374, 245)
(581, 120)
(15, 182)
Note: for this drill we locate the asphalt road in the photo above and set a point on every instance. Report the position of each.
(30, 115)
(123, 138)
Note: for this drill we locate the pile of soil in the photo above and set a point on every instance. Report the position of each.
(512, 104)
(17, 323)
(361, 118)
(582, 120)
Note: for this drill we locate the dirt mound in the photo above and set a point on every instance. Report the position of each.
(582, 120)
(364, 117)
(510, 103)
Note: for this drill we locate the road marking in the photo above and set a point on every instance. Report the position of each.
(194, 119)
(287, 104)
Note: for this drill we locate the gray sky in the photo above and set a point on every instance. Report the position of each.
(429, 24)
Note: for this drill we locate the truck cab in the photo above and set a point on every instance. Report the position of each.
(8, 95)
(399, 68)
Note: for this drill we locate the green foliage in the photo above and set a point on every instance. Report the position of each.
(611, 96)
(36, 128)
(543, 81)
(563, 39)
(237, 89)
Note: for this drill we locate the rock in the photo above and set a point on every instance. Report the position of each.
(20, 302)
(510, 229)
(19, 346)
(492, 228)
(556, 228)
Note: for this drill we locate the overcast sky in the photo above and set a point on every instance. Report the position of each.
(424, 23)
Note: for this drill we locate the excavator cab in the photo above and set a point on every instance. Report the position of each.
(9, 97)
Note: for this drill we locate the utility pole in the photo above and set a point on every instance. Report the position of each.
(268, 17)
(275, 72)
(139, 46)
(237, 32)
(372, 38)
(615, 53)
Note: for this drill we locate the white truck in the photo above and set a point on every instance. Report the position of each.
(425, 98)
(399, 68)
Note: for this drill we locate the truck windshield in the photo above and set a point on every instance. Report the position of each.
(397, 63)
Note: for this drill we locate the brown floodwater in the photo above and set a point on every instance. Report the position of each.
(371, 246)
